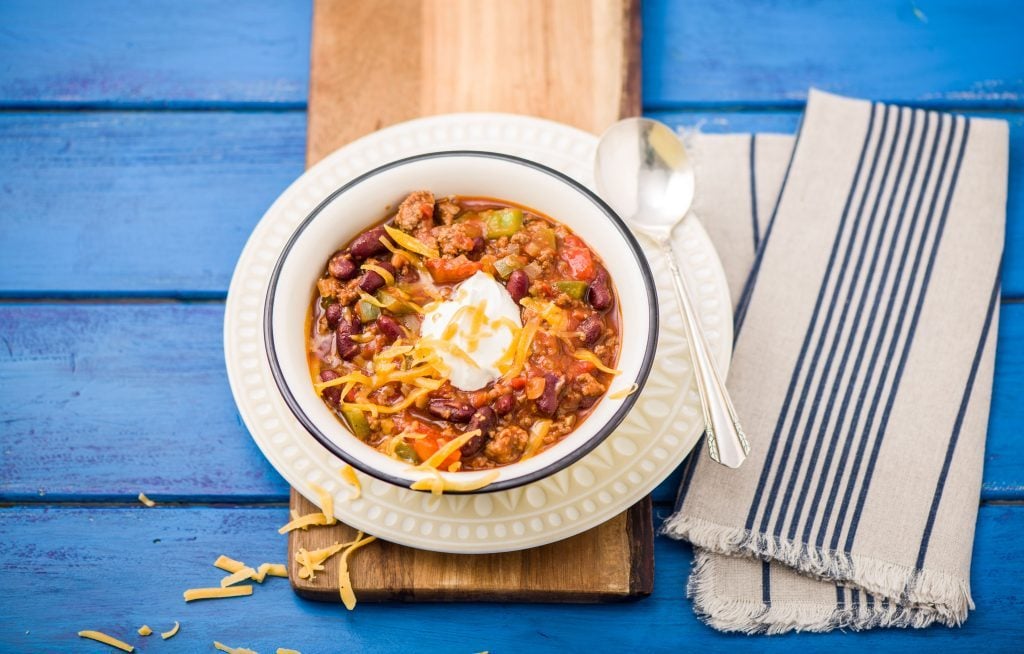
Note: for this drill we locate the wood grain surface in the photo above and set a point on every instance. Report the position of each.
(575, 61)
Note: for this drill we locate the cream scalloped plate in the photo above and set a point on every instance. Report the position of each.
(662, 428)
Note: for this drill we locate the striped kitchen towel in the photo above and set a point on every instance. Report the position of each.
(864, 259)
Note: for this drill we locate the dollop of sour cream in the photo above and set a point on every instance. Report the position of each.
(488, 343)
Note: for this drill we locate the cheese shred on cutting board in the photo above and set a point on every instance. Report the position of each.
(348, 596)
(101, 637)
(304, 521)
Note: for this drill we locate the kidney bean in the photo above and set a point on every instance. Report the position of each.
(478, 248)
(332, 394)
(518, 285)
(484, 420)
(548, 400)
(333, 315)
(341, 267)
(347, 348)
(368, 244)
(504, 404)
(600, 292)
(590, 329)
(371, 281)
(389, 327)
(450, 410)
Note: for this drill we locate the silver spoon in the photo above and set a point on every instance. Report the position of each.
(642, 171)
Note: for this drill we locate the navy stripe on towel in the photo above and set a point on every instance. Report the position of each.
(957, 425)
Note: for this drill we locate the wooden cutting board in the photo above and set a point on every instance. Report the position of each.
(378, 63)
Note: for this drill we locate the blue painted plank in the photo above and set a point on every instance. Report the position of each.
(137, 203)
(786, 123)
(763, 52)
(170, 53)
(87, 198)
(128, 566)
(109, 394)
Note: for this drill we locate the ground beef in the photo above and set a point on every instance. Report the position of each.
(445, 211)
(454, 240)
(588, 385)
(507, 444)
(415, 210)
(345, 292)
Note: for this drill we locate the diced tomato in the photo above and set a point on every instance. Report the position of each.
(578, 258)
(424, 447)
(577, 368)
(450, 271)
(518, 383)
(431, 443)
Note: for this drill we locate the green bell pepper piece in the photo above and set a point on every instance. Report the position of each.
(574, 289)
(366, 311)
(508, 265)
(405, 452)
(357, 421)
(502, 222)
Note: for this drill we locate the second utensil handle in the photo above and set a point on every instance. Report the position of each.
(727, 444)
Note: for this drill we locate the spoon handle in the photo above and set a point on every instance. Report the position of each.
(727, 444)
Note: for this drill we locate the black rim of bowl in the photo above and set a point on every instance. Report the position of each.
(563, 462)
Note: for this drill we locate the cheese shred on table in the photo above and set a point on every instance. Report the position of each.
(312, 519)
(145, 500)
(228, 564)
(348, 596)
(193, 594)
(101, 637)
(174, 630)
(232, 650)
(348, 473)
(144, 630)
(285, 650)
(242, 575)
(272, 569)
(326, 503)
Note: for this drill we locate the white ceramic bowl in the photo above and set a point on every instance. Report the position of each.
(363, 202)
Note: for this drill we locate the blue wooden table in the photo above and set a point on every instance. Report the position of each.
(140, 143)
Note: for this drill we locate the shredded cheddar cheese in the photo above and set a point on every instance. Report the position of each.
(537, 433)
(587, 355)
(174, 630)
(313, 562)
(285, 650)
(446, 450)
(243, 574)
(193, 594)
(411, 243)
(145, 500)
(348, 596)
(101, 637)
(348, 473)
(144, 630)
(232, 650)
(438, 484)
(625, 392)
(410, 257)
(228, 564)
(312, 519)
(326, 503)
(272, 569)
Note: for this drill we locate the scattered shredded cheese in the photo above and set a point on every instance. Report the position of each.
(313, 562)
(174, 630)
(410, 257)
(348, 473)
(193, 594)
(523, 346)
(145, 500)
(625, 392)
(272, 569)
(228, 564)
(144, 630)
(242, 575)
(438, 484)
(232, 650)
(101, 637)
(285, 650)
(538, 431)
(348, 596)
(304, 521)
(411, 243)
(587, 355)
(326, 503)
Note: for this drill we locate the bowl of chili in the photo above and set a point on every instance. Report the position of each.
(461, 322)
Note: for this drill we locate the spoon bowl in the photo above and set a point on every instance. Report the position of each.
(642, 170)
